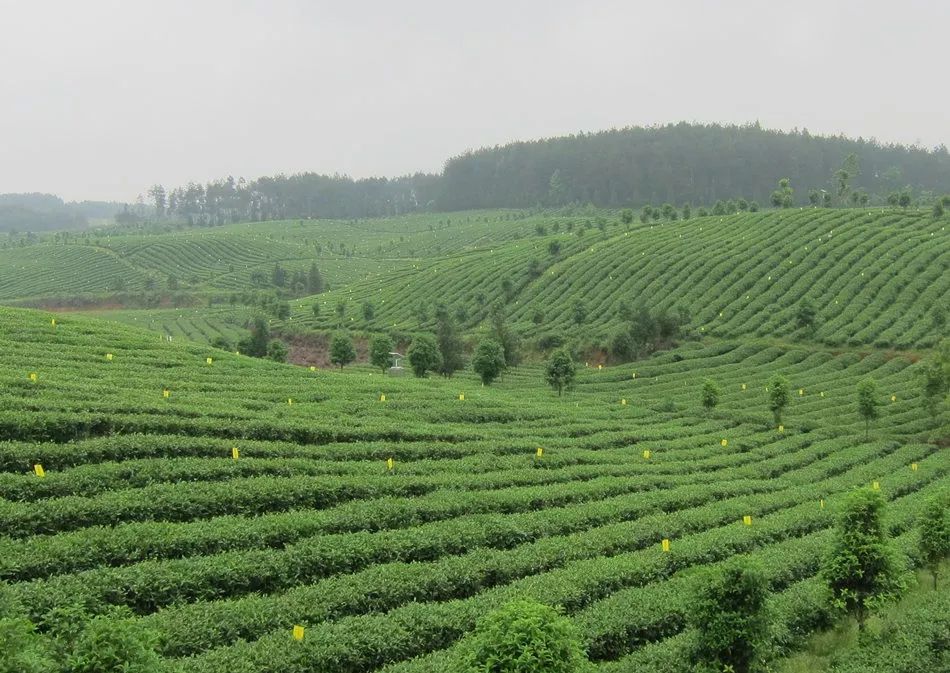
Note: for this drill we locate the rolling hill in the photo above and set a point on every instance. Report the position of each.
(225, 501)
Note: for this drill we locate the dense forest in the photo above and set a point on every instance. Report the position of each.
(630, 167)
(681, 163)
(45, 212)
(677, 163)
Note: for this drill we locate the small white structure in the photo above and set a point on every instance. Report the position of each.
(396, 370)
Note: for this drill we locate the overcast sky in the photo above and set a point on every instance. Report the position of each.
(100, 99)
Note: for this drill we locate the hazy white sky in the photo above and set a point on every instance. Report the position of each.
(99, 99)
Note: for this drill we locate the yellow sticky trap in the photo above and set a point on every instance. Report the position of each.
(646, 454)
(461, 397)
(747, 520)
(209, 360)
(801, 392)
(634, 375)
(166, 393)
(290, 400)
(382, 398)
(390, 464)
(109, 357)
(893, 398)
(665, 545)
(781, 428)
(600, 366)
(298, 632)
(53, 322)
(822, 393)
(539, 453)
(623, 402)
(743, 386)
(724, 442)
(913, 467)
(312, 368)
(38, 470)
(876, 485)
(235, 454)
(821, 503)
(33, 377)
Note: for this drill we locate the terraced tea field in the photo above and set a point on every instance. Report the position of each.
(226, 502)
(875, 277)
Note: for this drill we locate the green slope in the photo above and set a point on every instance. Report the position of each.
(142, 504)
(874, 276)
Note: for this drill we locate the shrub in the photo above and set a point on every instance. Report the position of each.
(424, 355)
(861, 569)
(728, 613)
(524, 637)
(489, 360)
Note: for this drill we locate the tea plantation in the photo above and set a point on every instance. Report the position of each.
(266, 517)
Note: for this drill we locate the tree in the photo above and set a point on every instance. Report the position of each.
(936, 373)
(783, 197)
(314, 280)
(554, 248)
(710, 396)
(316, 309)
(579, 312)
(646, 214)
(489, 360)
(282, 310)
(157, 193)
(256, 344)
(938, 210)
(341, 310)
(868, 403)
(369, 311)
(805, 316)
(557, 191)
(861, 569)
(501, 333)
(109, 645)
(934, 531)
(277, 351)
(523, 637)
(778, 397)
(728, 613)
(279, 277)
(559, 370)
(379, 352)
(904, 199)
(626, 216)
(449, 340)
(424, 355)
(341, 350)
(687, 211)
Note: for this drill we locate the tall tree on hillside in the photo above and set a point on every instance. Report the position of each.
(783, 197)
(868, 403)
(934, 532)
(449, 341)
(256, 344)
(778, 397)
(314, 280)
(500, 332)
(157, 194)
(488, 361)
(341, 350)
(861, 569)
(710, 395)
(728, 613)
(379, 352)
(560, 370)
(424, 355)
